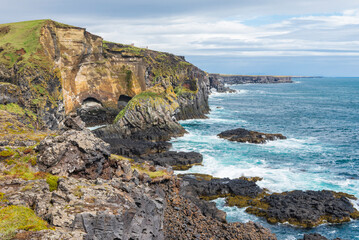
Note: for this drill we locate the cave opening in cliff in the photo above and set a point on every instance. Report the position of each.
(91, 102)
(123, 100)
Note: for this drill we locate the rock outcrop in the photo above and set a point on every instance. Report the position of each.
(243, 79)
(75, 152)
(216, 81)
(177, 160)
(59, 69)
(243, 135)
(185, 220)
(316, 236)
(306, 208)
(149, 116)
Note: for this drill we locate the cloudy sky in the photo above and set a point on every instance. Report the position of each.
(276, 37)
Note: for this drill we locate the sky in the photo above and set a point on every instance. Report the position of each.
(256, 37)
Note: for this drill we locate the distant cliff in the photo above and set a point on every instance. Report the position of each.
(243, 79)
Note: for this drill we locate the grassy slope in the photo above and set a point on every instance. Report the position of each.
(17, 36)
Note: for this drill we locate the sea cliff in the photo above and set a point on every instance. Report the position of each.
(61, 181)
(243, 79)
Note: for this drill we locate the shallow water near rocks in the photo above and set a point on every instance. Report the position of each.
(319, 116)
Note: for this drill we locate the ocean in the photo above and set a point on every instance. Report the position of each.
(319, 117)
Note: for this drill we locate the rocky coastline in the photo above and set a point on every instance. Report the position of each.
(245, 79)
(59, 180)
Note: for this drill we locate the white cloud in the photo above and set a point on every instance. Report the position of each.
(333, 35)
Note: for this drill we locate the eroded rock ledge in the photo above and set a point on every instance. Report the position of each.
(299, 208)
(243, 135)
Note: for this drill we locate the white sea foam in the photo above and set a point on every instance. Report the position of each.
(96, 127)
(293, 144)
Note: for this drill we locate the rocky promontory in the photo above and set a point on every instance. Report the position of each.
(243, 135)
(244, 79)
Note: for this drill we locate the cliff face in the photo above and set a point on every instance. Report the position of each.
(243, 79)
(66, 69)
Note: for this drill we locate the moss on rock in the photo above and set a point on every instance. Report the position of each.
(14, 218)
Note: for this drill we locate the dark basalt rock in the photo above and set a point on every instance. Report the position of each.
(307, 208)
(178, 160)
(136, 148)
(194, 186)
(75, 152)
(243, 79)
(142, 221)
(188, 217)
(316, 236)
(97, 115)
(243, 135)
(216, 82)
(212, 187)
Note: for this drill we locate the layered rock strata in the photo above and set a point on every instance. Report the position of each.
(59, 69)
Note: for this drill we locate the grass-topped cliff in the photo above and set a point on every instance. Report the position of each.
(49, 69)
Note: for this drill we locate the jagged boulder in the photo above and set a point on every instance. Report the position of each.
(243, 135)
(75, 153)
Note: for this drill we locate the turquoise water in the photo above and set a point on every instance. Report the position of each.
(320, 117)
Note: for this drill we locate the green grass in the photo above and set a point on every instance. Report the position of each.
(13, 218)
(151, 174)
(180, 90)
(22, 35)
(16, 109)
(53, 182)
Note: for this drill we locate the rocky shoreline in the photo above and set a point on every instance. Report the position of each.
(59, 180)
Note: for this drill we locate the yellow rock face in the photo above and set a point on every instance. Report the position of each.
(86, 72)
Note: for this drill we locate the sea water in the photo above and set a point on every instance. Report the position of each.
(319, 117)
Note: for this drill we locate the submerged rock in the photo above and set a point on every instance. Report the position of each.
(243, 135)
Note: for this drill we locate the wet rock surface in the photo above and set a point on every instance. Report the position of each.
(307, 208)
(196, 186)
(243, 135)
(316, 236)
